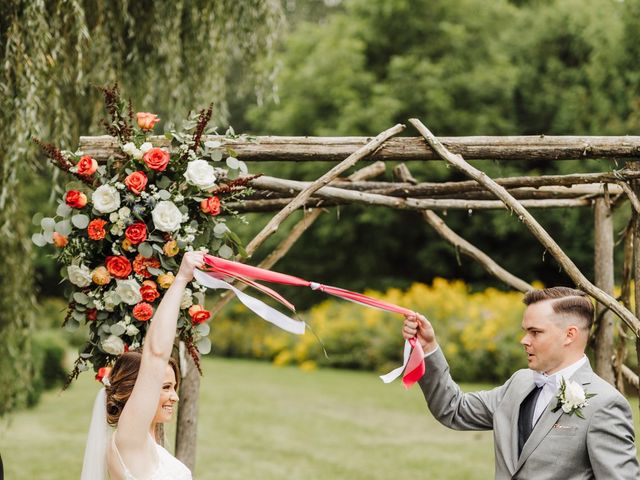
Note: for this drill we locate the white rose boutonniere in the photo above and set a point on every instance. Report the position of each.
(572, 398)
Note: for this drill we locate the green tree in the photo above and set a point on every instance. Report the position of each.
(169, 56)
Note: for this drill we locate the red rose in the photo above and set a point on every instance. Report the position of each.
(146, 120)
(118, 266)
(142, 311)
(91, 314)
(103, 373)
(149, 291)
(156, 159)
(136, 233)
(76, 199)
(198, 314)
(136, 182)
(87, 166)
(96, 230)
(141, 263)
(210, 205)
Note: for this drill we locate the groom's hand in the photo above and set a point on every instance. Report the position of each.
(416, 325)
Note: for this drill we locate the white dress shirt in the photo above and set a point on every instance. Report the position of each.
(550, 388)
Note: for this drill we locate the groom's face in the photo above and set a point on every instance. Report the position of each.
(544, 339)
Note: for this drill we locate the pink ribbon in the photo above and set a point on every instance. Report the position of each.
(220, 268)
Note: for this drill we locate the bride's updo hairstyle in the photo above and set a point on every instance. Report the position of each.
(122, 379)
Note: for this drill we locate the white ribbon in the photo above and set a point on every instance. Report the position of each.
(258, 307)
(396, 372)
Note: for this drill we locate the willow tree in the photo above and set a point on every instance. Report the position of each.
(169, 57)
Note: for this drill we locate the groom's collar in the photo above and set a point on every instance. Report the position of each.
(568, 371)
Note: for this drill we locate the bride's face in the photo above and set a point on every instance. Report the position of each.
(168, 398)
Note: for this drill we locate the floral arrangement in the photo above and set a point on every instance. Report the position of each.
(122, 227)
(572, 398)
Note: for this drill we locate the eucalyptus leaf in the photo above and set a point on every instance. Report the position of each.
(233, 162)
(156, 238)
(163, 182)
(243, 167)
(117, 329)
(48, 236)
(38, 240)
(37, 218)
(164, 195)
(79, 316)
(80, 220)
(63, 227)
(145, 250)
(216, 155)
(71, 325)
(168, 263)
(204, 345)
(63, 210)
(48, 223)
(157, 248)
(203, 329)
(154, 271)
(220, 229)
(225, 251)
(104, 328)
(81, 298)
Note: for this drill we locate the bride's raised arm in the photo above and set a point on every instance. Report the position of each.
(138, 413)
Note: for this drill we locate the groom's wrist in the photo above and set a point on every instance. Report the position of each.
(430, 349)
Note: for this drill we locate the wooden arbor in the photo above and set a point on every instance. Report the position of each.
(516, 194)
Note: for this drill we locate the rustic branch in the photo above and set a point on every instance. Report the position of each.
(302, 149)
(633, 198)
(630, 376)
(464, 246)
(540, 233)
(331, 175)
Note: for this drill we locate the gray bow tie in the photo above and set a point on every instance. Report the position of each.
(541, 380)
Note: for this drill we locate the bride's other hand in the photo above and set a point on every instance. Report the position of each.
(190, 261)
(417, 326)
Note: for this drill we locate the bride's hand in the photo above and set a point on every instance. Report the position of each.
(190, 261)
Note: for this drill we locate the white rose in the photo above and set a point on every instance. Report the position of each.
(131, 149)
(113, 345)
(124, 213)
(128, 291)
(132, 330)
(200, 174)
(145, 147)
(187, 301)
(114, 217)
(574, 395)
(79, 275)
(106, 199)
(166, 216)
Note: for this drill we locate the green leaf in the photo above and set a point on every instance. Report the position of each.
(145, 250)
(203, 329)
(80, 220)
(154, 271)
(204, 345)
(81, 298)
(117, 329)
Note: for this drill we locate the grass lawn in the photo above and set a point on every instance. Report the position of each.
(263, 422)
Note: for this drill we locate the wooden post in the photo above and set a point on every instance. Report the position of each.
(604, 281)
(187, 429)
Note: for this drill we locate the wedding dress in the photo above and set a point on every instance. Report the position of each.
(169, 467)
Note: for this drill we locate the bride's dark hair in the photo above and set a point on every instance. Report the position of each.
(122, 379)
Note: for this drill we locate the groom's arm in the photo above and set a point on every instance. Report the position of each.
(610, 442)
(449, 405)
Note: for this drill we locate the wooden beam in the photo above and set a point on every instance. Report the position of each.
(309, 149)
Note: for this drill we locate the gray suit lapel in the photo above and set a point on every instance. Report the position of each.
(548, 418)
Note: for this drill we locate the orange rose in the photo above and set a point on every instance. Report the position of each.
(136, 233)
(60, 241)
(76, 199)
(136, 182)
(96, 230)
(100, 276)
(156, 159)
(198, 314)
(119, 266)
(141, 263)
(147, 120)
(165, 280)
(171, 248)
(210, 205)
(149, 291)
(87, 166)
(142, 311)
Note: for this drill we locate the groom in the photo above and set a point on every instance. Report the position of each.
(532, 439)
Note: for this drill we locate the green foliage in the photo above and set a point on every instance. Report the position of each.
(48, 355)
(479, 332)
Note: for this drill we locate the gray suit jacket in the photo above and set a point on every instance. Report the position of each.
(561, 446)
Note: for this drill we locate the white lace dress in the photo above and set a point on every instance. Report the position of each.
(169, 467)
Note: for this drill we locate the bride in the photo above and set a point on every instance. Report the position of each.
(139, 395)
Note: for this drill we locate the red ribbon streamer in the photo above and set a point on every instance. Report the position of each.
(219, 267)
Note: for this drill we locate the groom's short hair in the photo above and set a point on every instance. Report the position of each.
(565, 302)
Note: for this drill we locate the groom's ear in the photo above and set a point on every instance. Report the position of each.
(572, 333)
